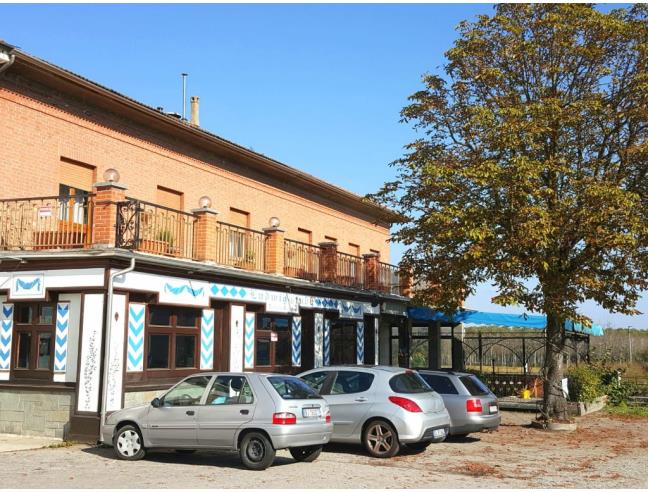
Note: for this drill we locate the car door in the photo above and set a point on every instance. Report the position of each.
(173, 423)
(230, 403)
(350, 397)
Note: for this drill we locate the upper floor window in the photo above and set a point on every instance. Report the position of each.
(304, 235)
(170, 198)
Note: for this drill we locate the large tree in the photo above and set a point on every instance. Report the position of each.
(531, 167)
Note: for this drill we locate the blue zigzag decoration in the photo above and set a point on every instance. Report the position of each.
(207, 339)
(61, 339)
(179, 290)
(21, 284)
(135, 350)
(7, 310)
(327, 342)
(360, 342)
(249, 340)
(296, 341)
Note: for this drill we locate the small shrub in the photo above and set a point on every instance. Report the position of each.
(584, 383)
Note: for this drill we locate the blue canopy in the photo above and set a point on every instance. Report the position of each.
(471, 317)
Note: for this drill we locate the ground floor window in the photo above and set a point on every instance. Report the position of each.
(399, 346)
(343, 342)
(33, 340)
(419, 347)
(273, 344)
(173, 337)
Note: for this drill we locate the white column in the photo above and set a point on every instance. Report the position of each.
(237, 315)
(115, 365)
(319, 339)
(89, 371)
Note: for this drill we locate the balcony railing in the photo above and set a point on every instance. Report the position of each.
(388, 278)
(240, 247)
(155, 229)
(350, 270)
(52, 222)
(301, 260)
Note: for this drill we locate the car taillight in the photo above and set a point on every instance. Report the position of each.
(405, 403)
(474, 405)
(284, 418)
(327, 415)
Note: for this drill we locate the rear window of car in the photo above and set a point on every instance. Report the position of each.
(292, 388)
(440, 384)
(474, 385)
(408, 382)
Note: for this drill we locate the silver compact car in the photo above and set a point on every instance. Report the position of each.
(253, 413)
(382, 407)
(471, 405)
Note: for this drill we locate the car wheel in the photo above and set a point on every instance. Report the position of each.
(256, 451)
(128, 443)
(380, 439)
(306, 454)
(419, 447)
(185, 451)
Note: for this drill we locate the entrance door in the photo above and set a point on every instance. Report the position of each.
(343, 342)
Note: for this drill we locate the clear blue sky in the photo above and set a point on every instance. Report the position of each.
(318, 87)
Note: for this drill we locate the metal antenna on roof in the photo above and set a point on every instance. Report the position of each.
(184, 95)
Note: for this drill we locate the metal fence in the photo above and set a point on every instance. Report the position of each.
(301, 260)
(49, 222)
(240, 247)
(388, 278)
(350, 270)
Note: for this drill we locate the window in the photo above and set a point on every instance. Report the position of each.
(440, 384)
(230, 390)
(474, 385)
(238, 237)
(343, 342)
(292, 388)
(354, 249)
(187, 393)
(73, 204)
(316, 380)
(34, 340)
(172, 337)
(273, 341)
(169, 198)
(408, 382)
(304, 235)
(351, 382)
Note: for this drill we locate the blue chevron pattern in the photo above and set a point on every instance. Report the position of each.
(360, 342)
(296, 341)
(248, 340)
(60, 344)
(6, 330)
(327, 342)
(181, 288)
(24, 285)
(135, 353)
(207, 339)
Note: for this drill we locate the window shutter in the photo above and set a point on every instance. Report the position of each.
(239, 218)
(169, 198)
(76, 175)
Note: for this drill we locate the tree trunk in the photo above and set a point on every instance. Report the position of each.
(554, 403)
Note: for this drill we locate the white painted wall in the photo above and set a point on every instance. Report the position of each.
(237, 322)
(89, 372)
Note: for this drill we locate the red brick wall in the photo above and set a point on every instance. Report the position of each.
(39, 127)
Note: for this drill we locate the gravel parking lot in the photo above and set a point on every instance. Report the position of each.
(605, 452)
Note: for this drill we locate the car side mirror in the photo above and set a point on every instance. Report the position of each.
(156, 403)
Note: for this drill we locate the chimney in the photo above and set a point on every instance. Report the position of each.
(195, 102)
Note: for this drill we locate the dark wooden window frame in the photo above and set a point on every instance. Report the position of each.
(260, 333)
(172, 330)
(34, 328)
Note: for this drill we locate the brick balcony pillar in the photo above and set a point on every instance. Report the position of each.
(274, 250)
(328, 261)
(104, 221)
(372, 270)
(205, 234)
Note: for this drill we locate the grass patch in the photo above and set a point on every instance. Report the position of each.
(62, 444)
(627, 411)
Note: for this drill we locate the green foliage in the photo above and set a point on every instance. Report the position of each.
(531, 166)
(166, 236)
(624, 409)
(585, 383)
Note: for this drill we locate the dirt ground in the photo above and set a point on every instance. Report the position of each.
(610, 452)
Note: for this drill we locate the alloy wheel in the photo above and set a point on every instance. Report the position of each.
(380, 439)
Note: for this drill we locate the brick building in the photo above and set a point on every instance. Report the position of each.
(233, 261)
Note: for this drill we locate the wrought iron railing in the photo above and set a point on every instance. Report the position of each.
(388, 278)
(301, 260)
(350, 270)
(51, 222)
(152, 228)
(240, 247)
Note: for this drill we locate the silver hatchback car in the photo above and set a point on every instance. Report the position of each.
(471, 404)
(382, 407)
(253, 413)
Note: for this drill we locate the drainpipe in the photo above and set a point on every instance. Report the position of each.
(109, 317)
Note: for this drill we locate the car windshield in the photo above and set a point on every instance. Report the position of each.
(292, 388)
(409, 382)
(474, 385)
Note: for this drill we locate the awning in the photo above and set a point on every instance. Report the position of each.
(480, 318)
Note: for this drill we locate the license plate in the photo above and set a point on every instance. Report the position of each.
(437, 433)
(493, 409)
(311, 412)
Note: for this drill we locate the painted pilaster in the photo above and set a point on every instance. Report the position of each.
(6, 335)
(296, 341)
(237, 320)
(376, 341)
(327, 342)
(61, 338)
(135, 357)
(360, 342)
(91, 346)
(207, 339)
(72, 349)
(115, 366)
(319, 339)
(249, 340)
